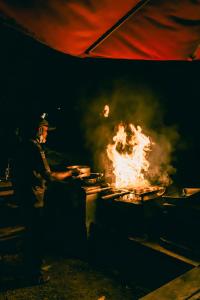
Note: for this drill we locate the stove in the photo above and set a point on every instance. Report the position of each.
(153, 211)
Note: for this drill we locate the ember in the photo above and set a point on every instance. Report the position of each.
(137, 195)
(106, 111)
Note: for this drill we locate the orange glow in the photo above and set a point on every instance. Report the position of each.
(128, 154)
(106, 111)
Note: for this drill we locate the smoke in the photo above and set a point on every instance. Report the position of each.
(139, 106)
(160, 157)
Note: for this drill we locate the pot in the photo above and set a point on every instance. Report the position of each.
(84, 170)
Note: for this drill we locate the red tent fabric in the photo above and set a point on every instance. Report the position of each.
(121, 29)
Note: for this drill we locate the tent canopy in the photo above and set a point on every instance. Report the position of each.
(130, 29)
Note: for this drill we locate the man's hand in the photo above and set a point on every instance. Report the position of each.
(75, 173)
(61, 175)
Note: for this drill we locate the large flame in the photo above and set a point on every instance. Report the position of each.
(128, 154)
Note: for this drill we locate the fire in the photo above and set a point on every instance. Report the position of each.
(106, 111)
(128, 154)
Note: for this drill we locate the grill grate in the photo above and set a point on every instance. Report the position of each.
(135, 195)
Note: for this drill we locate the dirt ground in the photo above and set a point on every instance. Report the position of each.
(114, 268)
(72, 279)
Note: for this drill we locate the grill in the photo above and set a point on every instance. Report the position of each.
(153, 211)
(135, 195)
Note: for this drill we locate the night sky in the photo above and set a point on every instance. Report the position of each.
(35, 79)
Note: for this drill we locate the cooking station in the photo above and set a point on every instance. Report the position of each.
(148, 233)
(170, 218)
(122, 206)
(156, 217)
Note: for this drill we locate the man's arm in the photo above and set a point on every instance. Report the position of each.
(53, 175)
(60, 175)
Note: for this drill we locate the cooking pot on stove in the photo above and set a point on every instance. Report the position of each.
(84, 170)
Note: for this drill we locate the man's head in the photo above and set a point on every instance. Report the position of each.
(42, 132)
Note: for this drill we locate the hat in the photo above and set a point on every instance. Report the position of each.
(44, 122)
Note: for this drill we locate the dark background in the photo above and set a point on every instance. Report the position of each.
(35, 79)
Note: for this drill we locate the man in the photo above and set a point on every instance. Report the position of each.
(31, 175)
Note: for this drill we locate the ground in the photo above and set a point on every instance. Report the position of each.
(75, 279)
(114, 267)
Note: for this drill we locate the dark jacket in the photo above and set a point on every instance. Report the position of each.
(31, 173)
